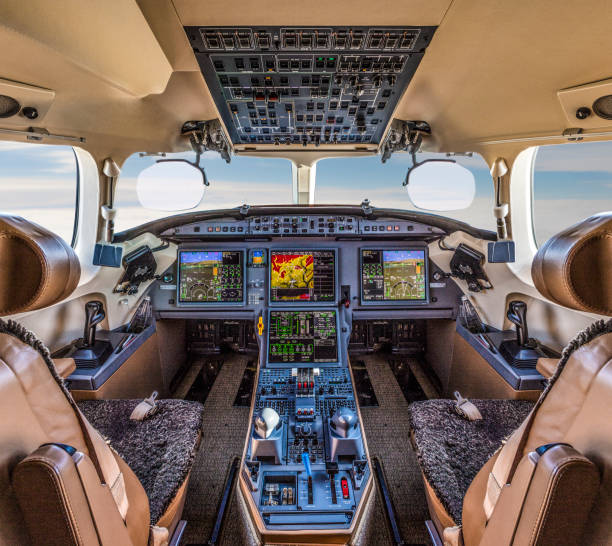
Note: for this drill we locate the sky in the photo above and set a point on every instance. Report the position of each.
(572, 181)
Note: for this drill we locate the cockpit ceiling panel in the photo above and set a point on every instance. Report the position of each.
(324, 85)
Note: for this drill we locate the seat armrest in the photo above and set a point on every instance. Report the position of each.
(546, 366)
(64, 366)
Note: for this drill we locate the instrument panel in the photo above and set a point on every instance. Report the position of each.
(297, 85)
(305, 285)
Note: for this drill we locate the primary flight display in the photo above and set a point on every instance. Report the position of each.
(302, 275)
(393, 275)
(211, 276)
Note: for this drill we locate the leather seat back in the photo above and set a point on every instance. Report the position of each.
(35, 406)
(575, 409)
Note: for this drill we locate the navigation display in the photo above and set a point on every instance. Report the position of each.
(302, 337)
(303, 275)
(211, 276)
(393, 275)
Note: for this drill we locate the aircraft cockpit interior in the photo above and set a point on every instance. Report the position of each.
(305, 273)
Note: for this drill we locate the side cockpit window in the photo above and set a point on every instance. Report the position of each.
(40, 183)
(570, 183)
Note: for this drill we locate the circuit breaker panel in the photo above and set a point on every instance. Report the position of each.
(289, 85)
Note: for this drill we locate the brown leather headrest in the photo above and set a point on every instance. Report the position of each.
(574, 268)
(37, 268)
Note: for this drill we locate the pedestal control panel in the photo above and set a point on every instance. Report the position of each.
(310, 468)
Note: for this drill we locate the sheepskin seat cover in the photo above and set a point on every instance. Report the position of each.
(451, 450)
(160, 450)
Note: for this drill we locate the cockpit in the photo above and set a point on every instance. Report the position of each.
(297, 274)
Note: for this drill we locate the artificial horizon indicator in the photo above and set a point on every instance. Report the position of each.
(211, 276)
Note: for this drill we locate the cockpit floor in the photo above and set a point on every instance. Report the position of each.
(387, 429)
(224, 429)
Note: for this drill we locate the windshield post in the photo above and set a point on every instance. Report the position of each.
(304, 177)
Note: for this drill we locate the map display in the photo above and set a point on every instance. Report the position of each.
(393, 275)
(210, 276)
(307, 276)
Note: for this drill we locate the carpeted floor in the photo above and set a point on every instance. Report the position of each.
(224, 430)
(387, 430)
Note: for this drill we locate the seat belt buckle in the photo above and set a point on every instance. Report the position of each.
(147, 408)
(465, 408)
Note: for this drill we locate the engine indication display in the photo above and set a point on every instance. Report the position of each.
(302, 337)
(307, 276)
(211, 276)
(393, 275)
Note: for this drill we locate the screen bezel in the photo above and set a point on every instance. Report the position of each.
(302, 364)
(394, 303)
(209, 303)
(285, 303)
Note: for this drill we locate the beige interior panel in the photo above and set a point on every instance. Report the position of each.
(439, 355)
(137, 377)
(315, 12)
(550, 323)
(584, 96)
(172, 348)
(474, 377)
(109, 39)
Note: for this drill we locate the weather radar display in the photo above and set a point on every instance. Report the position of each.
(393, 275)
(306, 276)
(210, 276)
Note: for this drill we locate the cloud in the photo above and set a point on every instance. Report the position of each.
(25, 159)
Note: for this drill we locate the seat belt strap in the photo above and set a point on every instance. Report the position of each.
(504, 466)
(146, 408)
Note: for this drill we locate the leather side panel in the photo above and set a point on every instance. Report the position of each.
(47, 402)
(52, 499)
(560, 497)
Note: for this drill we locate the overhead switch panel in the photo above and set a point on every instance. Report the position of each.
(276, 85)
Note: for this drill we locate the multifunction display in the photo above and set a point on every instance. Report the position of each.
(211, 276)
(302, 337)
(393, 275)
(303, 275)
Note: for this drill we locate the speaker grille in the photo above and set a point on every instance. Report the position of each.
(603, 107)
(8, 106)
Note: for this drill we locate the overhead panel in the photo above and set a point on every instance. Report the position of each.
(323, 85)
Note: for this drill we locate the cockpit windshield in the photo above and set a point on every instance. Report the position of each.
(271, 181)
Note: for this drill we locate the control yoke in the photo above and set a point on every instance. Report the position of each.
(517, 314)
(94, 315)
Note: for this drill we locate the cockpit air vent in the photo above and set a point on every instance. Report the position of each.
(297, 85)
